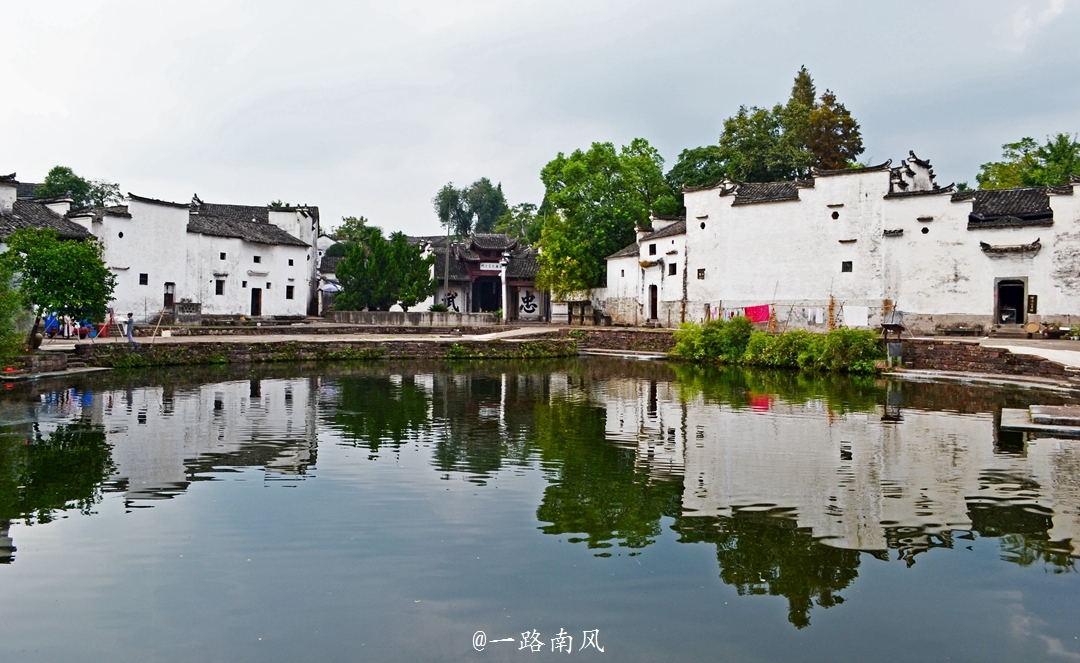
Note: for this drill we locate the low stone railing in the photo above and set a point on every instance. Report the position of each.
(414, 319)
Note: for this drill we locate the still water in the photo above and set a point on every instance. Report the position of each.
(393, 511)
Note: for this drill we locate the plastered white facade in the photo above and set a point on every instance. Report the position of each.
(152, 251)
(906, 243)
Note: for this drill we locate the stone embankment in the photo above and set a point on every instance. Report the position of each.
(971, 357)
(119, 355)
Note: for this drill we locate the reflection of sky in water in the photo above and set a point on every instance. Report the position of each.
(389, 512)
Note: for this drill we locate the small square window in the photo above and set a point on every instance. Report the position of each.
(144, 279)
(267, 285)
(221, 256)
(652, 249)
(243, 284)
(289, 292)
(845, 266)
(622, 272)
(258, 259)
(701, 274)
(671, 269)
(290, 262)
(219, 287)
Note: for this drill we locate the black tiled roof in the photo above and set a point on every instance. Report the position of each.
(100, 212)
(155, 201)
(31, 214)
(243, 213)
(703, 187)
(677, 228)
(257, 233)
(1011, 208)
(922, 192)
(630, 251)
(8, 178)
(749, 193)
(523, 264)
(493, 241)
(27, 189)
(328, 264)
(457, 270)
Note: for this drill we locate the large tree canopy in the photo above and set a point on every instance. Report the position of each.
(476, 208)
(377, 272)
(778, 143)
(63, 182)
(599, 197)
(59, 276)
(1027, 163)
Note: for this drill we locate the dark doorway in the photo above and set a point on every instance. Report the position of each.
(654, 303)
(256, 301)
(486, 294)
(170, 294)
(1010, 302)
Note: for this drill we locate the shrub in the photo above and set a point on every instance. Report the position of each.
(438, 308)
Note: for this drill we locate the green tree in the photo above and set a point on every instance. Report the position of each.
(378, 272)
(11, 309)
(522, 221)
(778, 143)
(600, 196)
(1027, 163)
(411, 272)
(65, 277)
(63, 182)
(476, 208)
(352, 228)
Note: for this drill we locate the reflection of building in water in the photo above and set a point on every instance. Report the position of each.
(163, 436)
(648, 416)
(7, 546)
(850, 478)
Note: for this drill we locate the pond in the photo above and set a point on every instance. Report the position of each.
(486, 511)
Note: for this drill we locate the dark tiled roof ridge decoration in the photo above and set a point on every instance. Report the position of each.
(155, 201)
(921, 162)
(923, 192)
(751, 193)
(1004, 249)
(962, 196)
(825, 172)
(97, 213)
(256, 233)
(5, 179)
(703, 187)
(32, 214)
(669, 217)
(1060, 189)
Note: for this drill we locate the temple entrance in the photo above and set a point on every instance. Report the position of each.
(654, 303)
(486, 294)
(1011, 302)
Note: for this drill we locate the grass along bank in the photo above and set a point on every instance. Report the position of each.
(735, 342)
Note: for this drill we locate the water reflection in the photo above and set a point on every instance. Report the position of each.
(796, 480)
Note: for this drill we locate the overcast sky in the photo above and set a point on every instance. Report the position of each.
(367, 108)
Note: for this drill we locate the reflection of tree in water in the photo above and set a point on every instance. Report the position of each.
(375, 410)
(760, 552)
(597, 488)
(43, 474)
(1023, 531)
(736, 387)
(40, 475)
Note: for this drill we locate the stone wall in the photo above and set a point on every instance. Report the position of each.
(118, 355)
(970, 357)
(613, 338)
(400, 319)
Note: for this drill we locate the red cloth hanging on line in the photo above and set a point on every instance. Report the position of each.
(758, 313)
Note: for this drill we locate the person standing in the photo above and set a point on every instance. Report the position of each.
(130, 330)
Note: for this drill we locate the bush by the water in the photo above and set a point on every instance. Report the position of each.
(735, 342)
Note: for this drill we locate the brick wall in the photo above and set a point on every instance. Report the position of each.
(970, 357)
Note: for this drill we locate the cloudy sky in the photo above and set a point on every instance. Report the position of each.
(367, 108)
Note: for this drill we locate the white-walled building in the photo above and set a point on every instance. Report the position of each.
(852, 244)
(226, 259)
